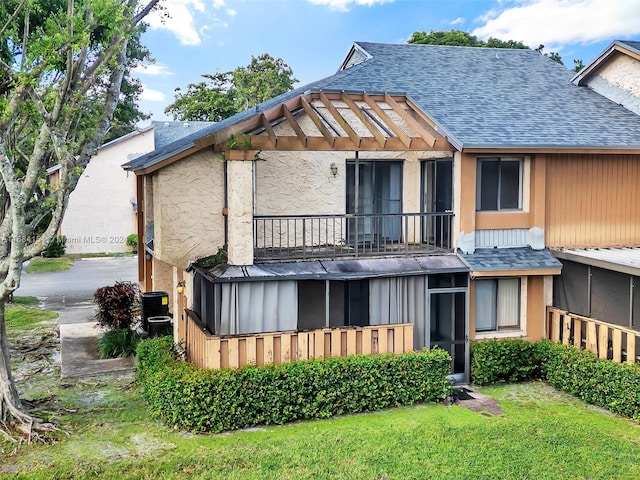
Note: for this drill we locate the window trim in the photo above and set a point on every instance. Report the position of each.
(522, 190)
(505, 332)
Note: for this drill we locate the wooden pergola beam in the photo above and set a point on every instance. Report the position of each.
(266, 124)
(340, 119)
(296, 127)
(318, 122)
(412, 122)
(393, 126)
(381, 139)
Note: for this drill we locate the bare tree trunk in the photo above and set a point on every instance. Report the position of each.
(12, 414)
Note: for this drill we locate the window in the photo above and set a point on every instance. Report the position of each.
(497, 304)
(499, 184)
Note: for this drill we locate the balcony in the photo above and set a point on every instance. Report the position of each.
(306, 237)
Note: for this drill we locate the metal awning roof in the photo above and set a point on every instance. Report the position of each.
(625, 260)
(336, 269)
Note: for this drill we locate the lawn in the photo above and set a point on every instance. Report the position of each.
(41, 264)
(23, 314)
(543, 434)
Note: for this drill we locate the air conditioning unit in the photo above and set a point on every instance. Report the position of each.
(154, 304)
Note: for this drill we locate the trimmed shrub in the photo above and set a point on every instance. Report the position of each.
(216, 400)
(498, 361)
(56, 248)
(614, 386)
(118, 305)
(132, 242)
(604, 383)
(118, 343)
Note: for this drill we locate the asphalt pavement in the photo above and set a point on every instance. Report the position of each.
(70, 294)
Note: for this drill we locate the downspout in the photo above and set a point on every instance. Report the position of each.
(225, 209)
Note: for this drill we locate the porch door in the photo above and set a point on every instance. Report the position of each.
(374, 189)
(448, 329)
(437, 195)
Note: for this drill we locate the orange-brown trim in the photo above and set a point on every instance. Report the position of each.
(516, 273)
(140, 220)
(502, 220)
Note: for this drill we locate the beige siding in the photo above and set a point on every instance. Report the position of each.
(188, 198)
(593, 201)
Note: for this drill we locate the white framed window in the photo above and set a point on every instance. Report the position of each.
(499, 184)
(498, 304)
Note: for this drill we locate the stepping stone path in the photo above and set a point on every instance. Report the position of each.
(477, 402)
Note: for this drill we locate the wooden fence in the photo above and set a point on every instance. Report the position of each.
(606, 340)
(213, 351)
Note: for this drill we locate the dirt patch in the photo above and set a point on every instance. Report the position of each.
(36, 352)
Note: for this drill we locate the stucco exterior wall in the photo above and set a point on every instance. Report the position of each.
(163, 280)
(188, 198)
(619, 80)
(100, 213)
(301, 183)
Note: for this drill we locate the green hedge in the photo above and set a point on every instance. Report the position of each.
(614, 386)
(496, 361)
(610, 385)
(215, 400)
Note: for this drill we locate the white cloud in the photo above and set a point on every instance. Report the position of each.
(555, 23)
(153, 69)
(183, 16)
(151, 95)
(457, 21)
(343, 5)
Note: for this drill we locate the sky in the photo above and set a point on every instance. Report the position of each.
(314, 36)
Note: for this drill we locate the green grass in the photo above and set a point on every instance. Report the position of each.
(542, 435)
(41, 264)
(30, 301)
(21, 317)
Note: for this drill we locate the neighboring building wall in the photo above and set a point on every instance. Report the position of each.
(100, 214)
(188, 198)
(592, 201)
(619, 81)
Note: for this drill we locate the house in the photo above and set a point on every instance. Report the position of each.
(102, 208)
(601, 265)
(419, 186)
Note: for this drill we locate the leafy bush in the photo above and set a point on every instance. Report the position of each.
(614, 386)
(118, 343)
(56, 248)
(132, 242)
(216, 400)
(118, 305)
(604, 383)
(496, 361)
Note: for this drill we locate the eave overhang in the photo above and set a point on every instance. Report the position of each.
(324, 121)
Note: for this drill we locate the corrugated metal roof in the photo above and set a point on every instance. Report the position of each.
(510, 259)
(625, 260)
(337, 269)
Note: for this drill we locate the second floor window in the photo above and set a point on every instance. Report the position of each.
(499, 184)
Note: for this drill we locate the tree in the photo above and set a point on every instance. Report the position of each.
(465, 39)
(59, 59)
(221, 95)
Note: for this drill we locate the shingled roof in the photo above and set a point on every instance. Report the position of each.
(478, 98)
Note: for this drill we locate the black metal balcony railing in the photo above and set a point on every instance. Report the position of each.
(349, 235)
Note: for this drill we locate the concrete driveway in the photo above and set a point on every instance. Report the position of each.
(70, 292)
